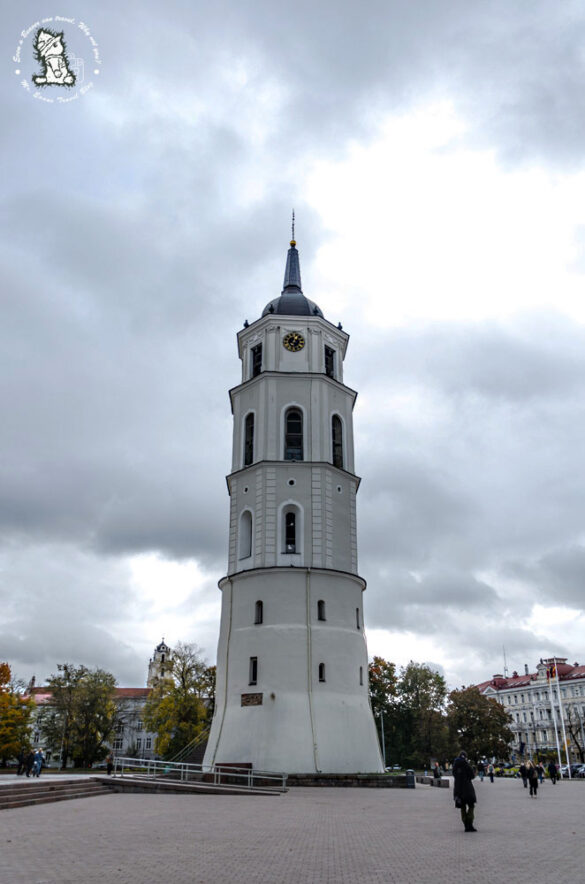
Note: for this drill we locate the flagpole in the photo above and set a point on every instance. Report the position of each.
(554, 714)
(562, 719)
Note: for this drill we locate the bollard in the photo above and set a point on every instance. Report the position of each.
(410, 781)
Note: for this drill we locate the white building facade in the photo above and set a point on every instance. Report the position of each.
(547, 708)
(292, 667)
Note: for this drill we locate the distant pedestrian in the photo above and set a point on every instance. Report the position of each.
(491, 772)
(532, 779)
(540, 769)
(30, 761)
(463, 791)
(523, 771)
(109, 764)
(21, 758)
(39, 758)
(552, 772)
(481, 768)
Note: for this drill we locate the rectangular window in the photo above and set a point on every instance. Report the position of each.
(253, 675)
(148, 744)
(117, 744)
(357, 618)
(120, 728)
(329, 362)
(361, 675)
(256, 360)
(139, 725)
(139, 743)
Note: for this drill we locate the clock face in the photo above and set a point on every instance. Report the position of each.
(293, 341)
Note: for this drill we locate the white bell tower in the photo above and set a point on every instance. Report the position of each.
(292, 664)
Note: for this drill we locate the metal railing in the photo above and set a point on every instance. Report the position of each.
(195, 742)
(218, 775)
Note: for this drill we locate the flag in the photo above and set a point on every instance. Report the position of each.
(551, 671)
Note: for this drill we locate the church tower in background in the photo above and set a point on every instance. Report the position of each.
(292, 664)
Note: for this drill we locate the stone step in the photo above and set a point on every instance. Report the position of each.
(25, 794)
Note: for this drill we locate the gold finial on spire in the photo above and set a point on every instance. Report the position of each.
(293, 241)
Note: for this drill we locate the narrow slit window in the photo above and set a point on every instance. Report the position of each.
(321, 610)
(249, 440)
(357, 618)
(253, 674)
(259, 613)
(321, 672)
(293, 435)
(256, 360)
(245, 550)
(329, 362)
(337, 441)
(361, 675)
(290, 532)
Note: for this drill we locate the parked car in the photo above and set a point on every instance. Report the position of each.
(574, 769)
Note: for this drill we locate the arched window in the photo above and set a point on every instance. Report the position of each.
(321, 610)
(290, 532)
(245, 538)
(321, 672)
(293, 434)
(337, 441)
(249, 440)
(259, 613)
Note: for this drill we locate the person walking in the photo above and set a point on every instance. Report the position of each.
(463, 791)
(21, 758)
(540, 769)
(532, 779)
(552, 772)
(481, 769)
(30, 760)
(38, 762)
(491, 772)
(523, 771)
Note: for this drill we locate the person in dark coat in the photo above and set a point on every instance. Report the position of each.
(463, 791)
(523, 771)
(552, 772)
(532, 779)
(21, 758)
(30, 760)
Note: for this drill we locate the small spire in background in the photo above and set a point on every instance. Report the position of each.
(293, 241)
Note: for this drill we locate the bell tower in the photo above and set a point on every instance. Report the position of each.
(292, 665)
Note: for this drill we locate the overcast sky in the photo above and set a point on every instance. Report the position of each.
(434, 154)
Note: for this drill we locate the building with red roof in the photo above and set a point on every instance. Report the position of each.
(546, 707)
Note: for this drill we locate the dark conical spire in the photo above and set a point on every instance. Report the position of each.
(292, 273)
(292, 302)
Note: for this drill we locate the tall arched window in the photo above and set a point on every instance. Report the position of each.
(321, 610)
(337, 441)
(290, 532)
(245, 538)
(259, 613)
(249, 440)
(293, 434)
(321, 672)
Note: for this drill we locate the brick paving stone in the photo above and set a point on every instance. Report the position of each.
(330, 836)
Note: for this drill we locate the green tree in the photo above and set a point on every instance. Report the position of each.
(79, 721)
(422, 693)
(175, 710)
(478, 724)
(382, 685)
(16, 712)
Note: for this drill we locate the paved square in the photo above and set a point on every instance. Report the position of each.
(309, 835)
